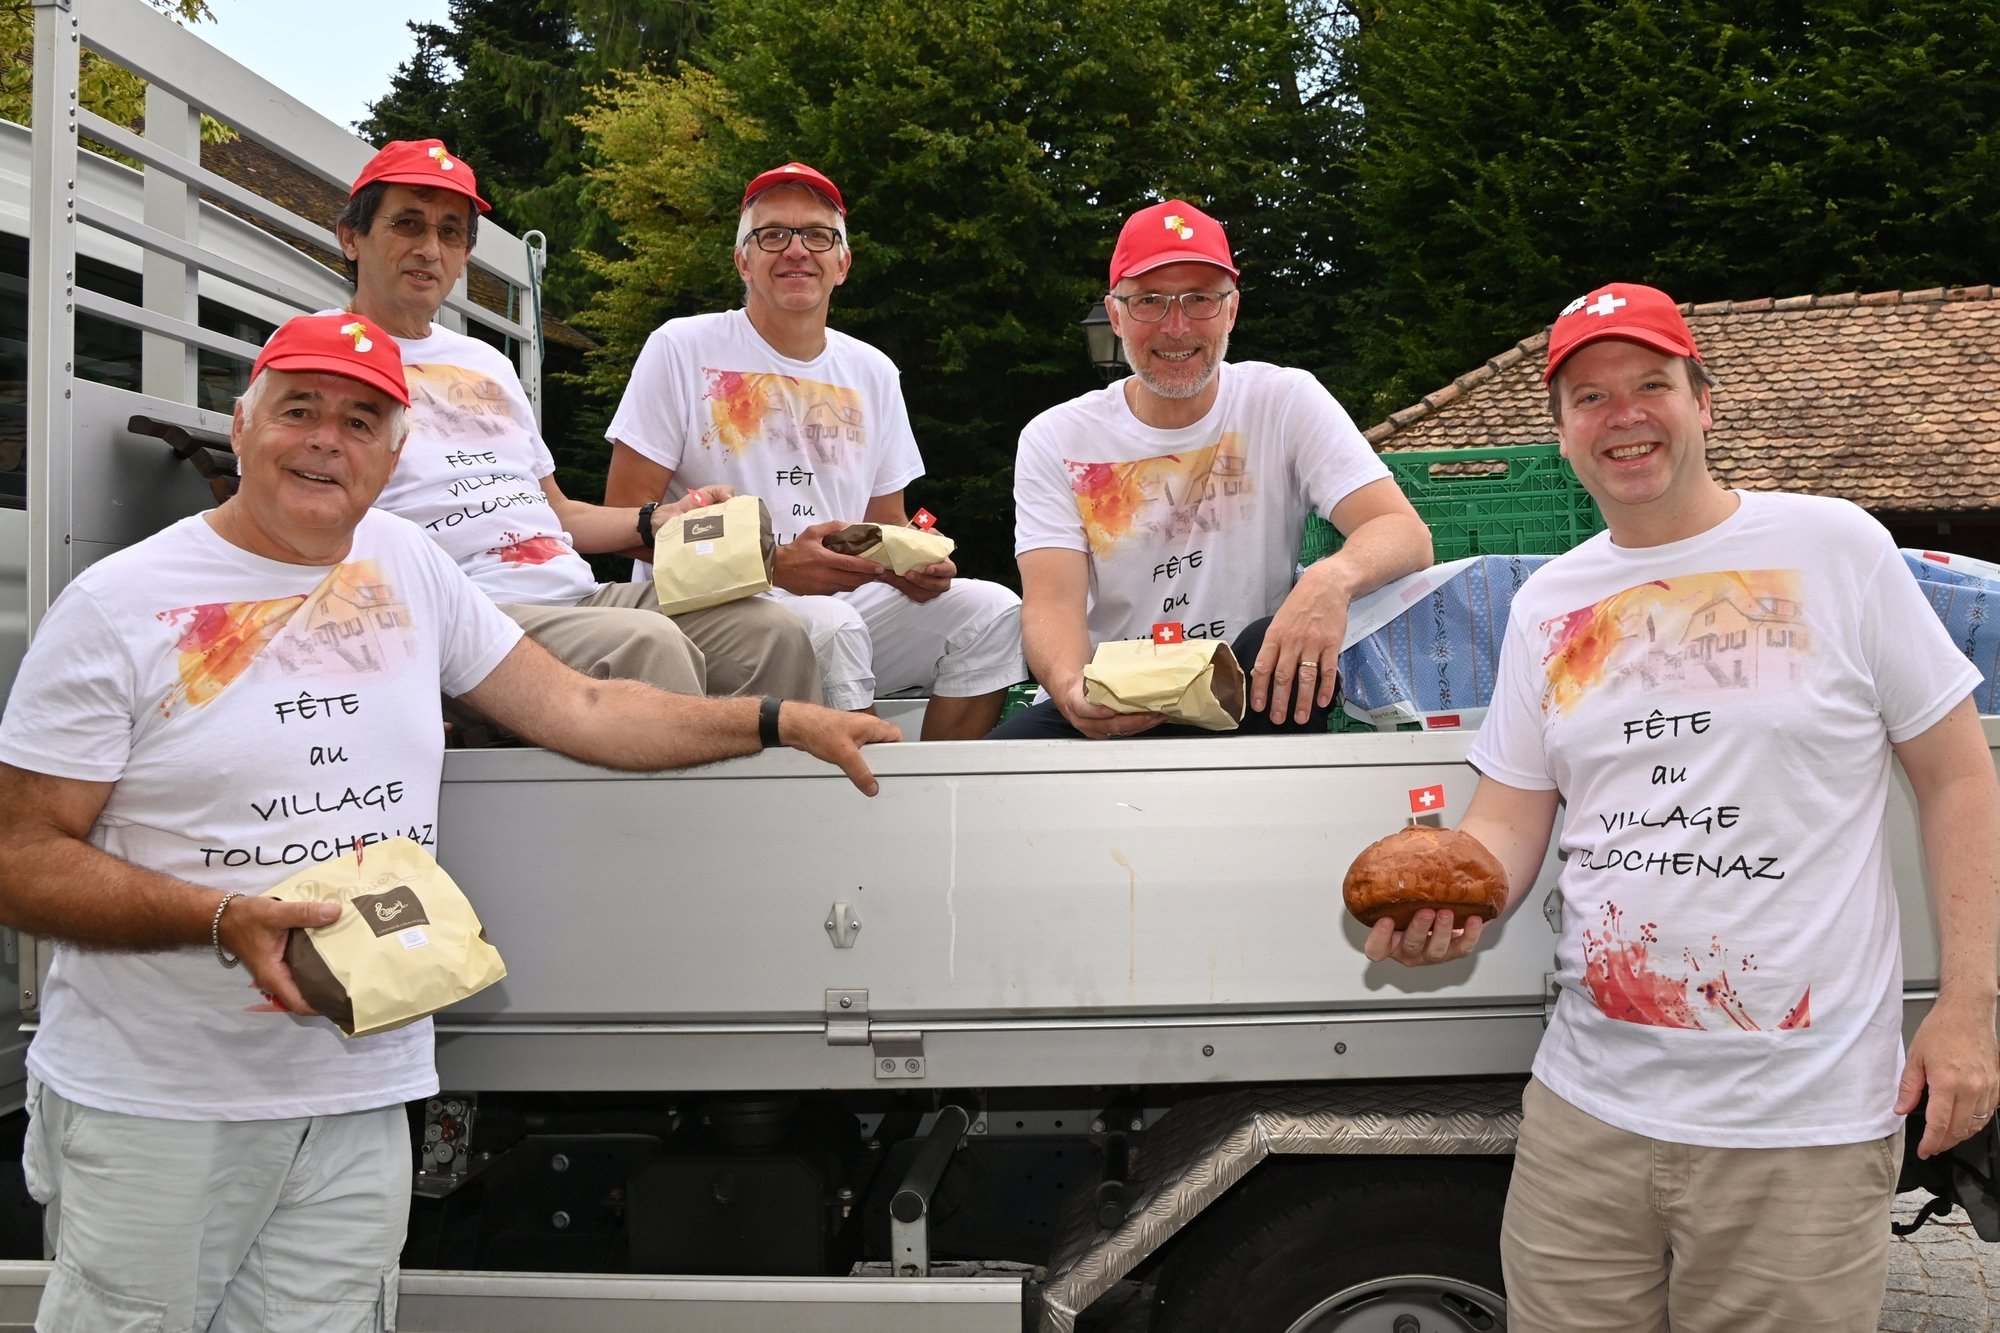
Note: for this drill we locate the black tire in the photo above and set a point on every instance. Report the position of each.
(1343, 1245)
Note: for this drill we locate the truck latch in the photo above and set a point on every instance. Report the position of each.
(896, 1052)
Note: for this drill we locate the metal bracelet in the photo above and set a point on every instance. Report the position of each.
(215, 931)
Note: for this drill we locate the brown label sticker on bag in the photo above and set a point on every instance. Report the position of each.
(707, 528)
(386, 913)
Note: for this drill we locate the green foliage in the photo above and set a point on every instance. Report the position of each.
(1515, 155)
(988, 150)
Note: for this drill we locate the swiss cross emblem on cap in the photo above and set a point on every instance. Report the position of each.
(1605, 304)
(443, 159)
(1178, 225)
(924, 519)
(1168, 631)
(1423, 800)
(359, 333)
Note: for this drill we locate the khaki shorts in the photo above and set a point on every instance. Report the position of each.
(1616, 1232)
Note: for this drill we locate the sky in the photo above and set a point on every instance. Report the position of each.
(336, 58)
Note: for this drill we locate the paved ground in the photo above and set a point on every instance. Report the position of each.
(1942, 1279)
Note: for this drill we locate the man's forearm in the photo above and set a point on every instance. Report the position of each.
(1056, 642)
(1384, 548)
(1961, 830)
(64, 888)
(627, 725)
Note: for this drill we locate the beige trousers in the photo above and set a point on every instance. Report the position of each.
(750, 646)
(1608, 1230)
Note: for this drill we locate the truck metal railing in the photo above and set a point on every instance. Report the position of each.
(179, 228)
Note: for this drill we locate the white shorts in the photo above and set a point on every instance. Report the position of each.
(186, 1225)
(875, 642)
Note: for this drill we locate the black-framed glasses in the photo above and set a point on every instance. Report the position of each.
(816, 239)
(412, 228)
(1152, 307)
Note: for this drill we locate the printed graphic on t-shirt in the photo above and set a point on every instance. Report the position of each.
(1159, 499)
(749, 409)
(519, 550)
(1735, 630)
(455, 404)
(1629, 985)
(353, 623)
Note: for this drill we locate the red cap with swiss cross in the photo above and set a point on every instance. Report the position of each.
(342, 344)
(1620, 310)
(1169, 233)
(421, 162)
(796, 173)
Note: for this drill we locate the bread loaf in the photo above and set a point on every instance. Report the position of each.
(1419, 867)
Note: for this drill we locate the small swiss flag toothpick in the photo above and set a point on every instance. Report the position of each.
(1168, 631)
(924, 519)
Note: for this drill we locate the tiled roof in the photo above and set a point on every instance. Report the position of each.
(1891, 400)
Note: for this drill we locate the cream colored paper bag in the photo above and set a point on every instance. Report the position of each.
(713, 555)
(408, 944)
(1198, 683)
(901, 549)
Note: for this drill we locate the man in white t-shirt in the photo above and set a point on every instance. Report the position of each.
(771, 402)
(250, 691)
(478, 478)
(1178, 496)
(1716, 687)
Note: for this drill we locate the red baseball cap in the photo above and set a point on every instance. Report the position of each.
(1169, 233)
(795, 173)
(340, 344)
(421, 162)
(1620, 310)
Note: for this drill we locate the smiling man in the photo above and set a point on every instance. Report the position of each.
(478, 478)
(1180, 495)
(770, 401)
(1716, 687)
(210, 1152)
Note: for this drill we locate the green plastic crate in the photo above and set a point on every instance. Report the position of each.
(1517, 500)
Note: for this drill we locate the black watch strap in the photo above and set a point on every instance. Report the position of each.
(646, 521)
(767, 721)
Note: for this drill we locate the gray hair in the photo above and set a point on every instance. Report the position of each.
(1700, 377)
(398, 420)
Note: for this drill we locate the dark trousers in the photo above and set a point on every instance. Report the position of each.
(1044, 721)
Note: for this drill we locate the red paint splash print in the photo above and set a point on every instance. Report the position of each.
(1629, 985)
(531, 550)
(218, 643)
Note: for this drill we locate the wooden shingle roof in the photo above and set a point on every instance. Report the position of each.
(1891, 399)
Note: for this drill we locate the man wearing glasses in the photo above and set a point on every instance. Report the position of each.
(478, 479)
(770, 401)
(1179, 496)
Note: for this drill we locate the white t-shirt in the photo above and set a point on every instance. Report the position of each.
(1718, 713)
(815, 440)
(471, 474)
(255, 717)
(1199, 525)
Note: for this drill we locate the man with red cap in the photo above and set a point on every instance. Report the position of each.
(251, 691)
(770, 401)
(1716, 687)
(1178, 496)
(478, 478)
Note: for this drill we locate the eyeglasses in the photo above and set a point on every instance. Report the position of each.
(816, 239)
(1152, 307)
(413, 228)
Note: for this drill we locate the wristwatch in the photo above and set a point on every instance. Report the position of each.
(646, 521)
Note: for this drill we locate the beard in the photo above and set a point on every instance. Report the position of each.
(1193, 376)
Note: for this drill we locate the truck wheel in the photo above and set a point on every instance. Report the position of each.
(1331, 1245)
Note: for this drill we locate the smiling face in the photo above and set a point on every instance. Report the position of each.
(792, 282)
(1634, 428)
(315, 450)
(401, 281)
(1178, 358)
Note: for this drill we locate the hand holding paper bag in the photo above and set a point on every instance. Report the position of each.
(714, 554)
(901, 549)
(1198, 684)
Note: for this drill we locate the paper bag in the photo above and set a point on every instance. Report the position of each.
(408, 944)
(901, 549)
(713, 555)
(1197, 683)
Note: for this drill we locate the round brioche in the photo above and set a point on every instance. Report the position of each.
(1418, 867)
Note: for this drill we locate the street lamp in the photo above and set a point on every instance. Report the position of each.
(1107, 352)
